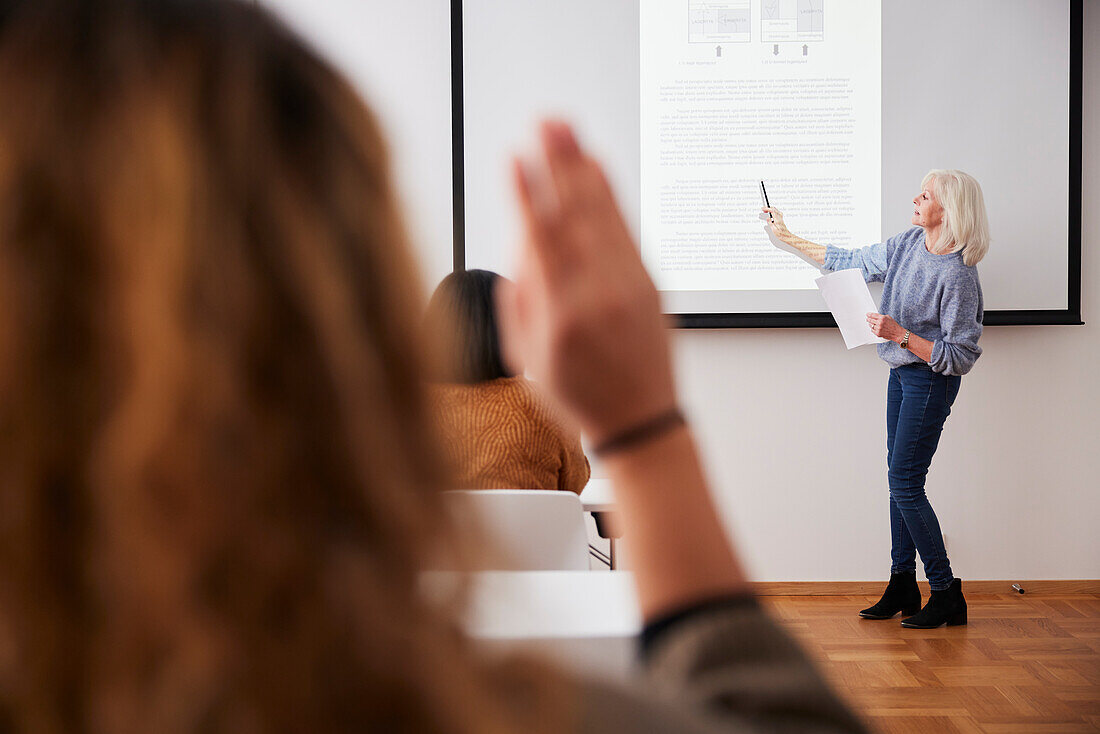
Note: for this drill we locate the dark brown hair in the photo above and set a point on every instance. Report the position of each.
(217, 480)
(462, 316)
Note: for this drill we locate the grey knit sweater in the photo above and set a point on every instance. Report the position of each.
(937, 297)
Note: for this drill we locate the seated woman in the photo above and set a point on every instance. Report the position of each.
(499, 431)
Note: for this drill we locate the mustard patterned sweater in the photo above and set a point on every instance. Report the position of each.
(502, 434)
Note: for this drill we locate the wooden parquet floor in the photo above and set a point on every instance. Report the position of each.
(1025, 664)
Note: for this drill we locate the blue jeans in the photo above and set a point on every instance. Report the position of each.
(918, 402)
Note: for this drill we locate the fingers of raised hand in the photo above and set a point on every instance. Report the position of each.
(579, 184)
(538, 214)
(567, 205)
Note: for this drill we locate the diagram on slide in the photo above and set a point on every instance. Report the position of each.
(792, 20)
(720, 22)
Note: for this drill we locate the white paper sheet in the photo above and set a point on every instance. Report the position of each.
(846, 294)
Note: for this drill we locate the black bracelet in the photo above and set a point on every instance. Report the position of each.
(640, 433)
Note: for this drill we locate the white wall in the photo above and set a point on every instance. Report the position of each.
(791, 425)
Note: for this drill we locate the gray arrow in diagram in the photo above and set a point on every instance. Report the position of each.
(805, 50)
(718, 50)
(775, 50)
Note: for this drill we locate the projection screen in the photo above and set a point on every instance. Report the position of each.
(839, 106)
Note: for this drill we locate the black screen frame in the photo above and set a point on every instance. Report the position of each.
(1071, 315)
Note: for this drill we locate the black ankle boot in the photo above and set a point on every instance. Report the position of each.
(902, 595)
(943, 607)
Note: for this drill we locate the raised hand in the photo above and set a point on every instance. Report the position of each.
(776, 225)
(583, 316)
(783, 239)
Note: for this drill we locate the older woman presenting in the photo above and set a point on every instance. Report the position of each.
(932, 320)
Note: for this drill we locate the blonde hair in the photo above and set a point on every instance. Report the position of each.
(966, 224)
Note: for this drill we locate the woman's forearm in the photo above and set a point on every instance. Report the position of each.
(674, 543)
(810, 249)
(919, 346)
(889, 329)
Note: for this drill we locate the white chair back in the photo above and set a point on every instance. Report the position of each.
(532, 529)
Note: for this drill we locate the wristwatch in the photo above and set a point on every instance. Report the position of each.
(905, 340)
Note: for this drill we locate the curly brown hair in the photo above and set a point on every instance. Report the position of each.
(218, 481)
